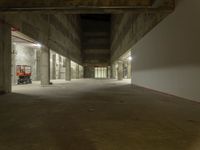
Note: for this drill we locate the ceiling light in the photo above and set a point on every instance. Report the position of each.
(129, 58)
(38, 45)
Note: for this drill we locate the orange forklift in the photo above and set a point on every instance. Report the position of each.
(24, 73)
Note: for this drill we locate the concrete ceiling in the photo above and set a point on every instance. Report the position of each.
(74, 3)
(21, 39)
(83, 6)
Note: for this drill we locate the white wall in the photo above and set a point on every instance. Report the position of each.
(167, 59)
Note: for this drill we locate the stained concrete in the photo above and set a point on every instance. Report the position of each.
(96, 115)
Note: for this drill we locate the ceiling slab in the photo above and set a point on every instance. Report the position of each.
(73, 3)
(85, 6)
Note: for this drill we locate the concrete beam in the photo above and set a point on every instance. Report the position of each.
(66, 10)
(83, 7)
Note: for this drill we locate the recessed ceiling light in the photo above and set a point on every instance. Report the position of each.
(129, 58)
(38, 45)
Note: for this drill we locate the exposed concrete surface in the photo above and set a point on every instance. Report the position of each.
(45, 66)
(96, 115)
(5, 58)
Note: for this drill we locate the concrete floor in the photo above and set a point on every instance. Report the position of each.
(96, 115)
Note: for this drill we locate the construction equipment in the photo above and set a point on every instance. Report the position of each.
(24, 73)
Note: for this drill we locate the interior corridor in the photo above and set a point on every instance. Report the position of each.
(94, 114)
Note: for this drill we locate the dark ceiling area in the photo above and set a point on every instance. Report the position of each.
(97, 17)
(96, 38)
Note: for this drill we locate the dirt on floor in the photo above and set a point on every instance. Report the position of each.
(96, 115)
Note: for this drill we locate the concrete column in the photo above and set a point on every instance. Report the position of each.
(113, 72)
(79, 74)
(129, 70)
(45, 66)
(108, 72)
(38, 54)
(120, 70)
(67, 69)
(77, 71)
(54, 66)
(13, 76)
(5, 58)
(132, 71)
(59, 67)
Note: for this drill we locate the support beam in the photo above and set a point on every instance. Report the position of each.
(5, 58)
(120, 70)
(45, 66)
(67, 69)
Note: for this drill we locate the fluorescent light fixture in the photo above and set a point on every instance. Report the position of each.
(38, 45)
(130, 58)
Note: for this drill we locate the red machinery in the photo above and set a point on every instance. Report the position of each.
(24, 74)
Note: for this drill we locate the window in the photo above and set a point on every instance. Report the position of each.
(100, 72)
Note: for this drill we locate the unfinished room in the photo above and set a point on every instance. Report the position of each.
(100, 75)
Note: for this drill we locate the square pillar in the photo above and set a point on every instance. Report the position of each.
(77, 71)
(53, 66)
(67, 69)
(59, 66)
(108, 72)
(120, 70)
(45, 66)
(13, 68)
(38, 54)
(5, 58)
(113, 72)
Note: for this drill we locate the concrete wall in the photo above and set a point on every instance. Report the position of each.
(168, 58)
(58, 32)
(129, 28)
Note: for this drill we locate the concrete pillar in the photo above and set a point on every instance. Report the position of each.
(120, 70)
(59, 67)
(108, 72)
(38, 54)
(5, 58)
(132, 69)
(13, 76)
(67, 69)
(77, 71)
(45, 66)
(113, 72)
(53, 66)
(129, 70)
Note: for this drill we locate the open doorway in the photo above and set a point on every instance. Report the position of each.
(25, 59)
(76, 70)
(122, 69)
